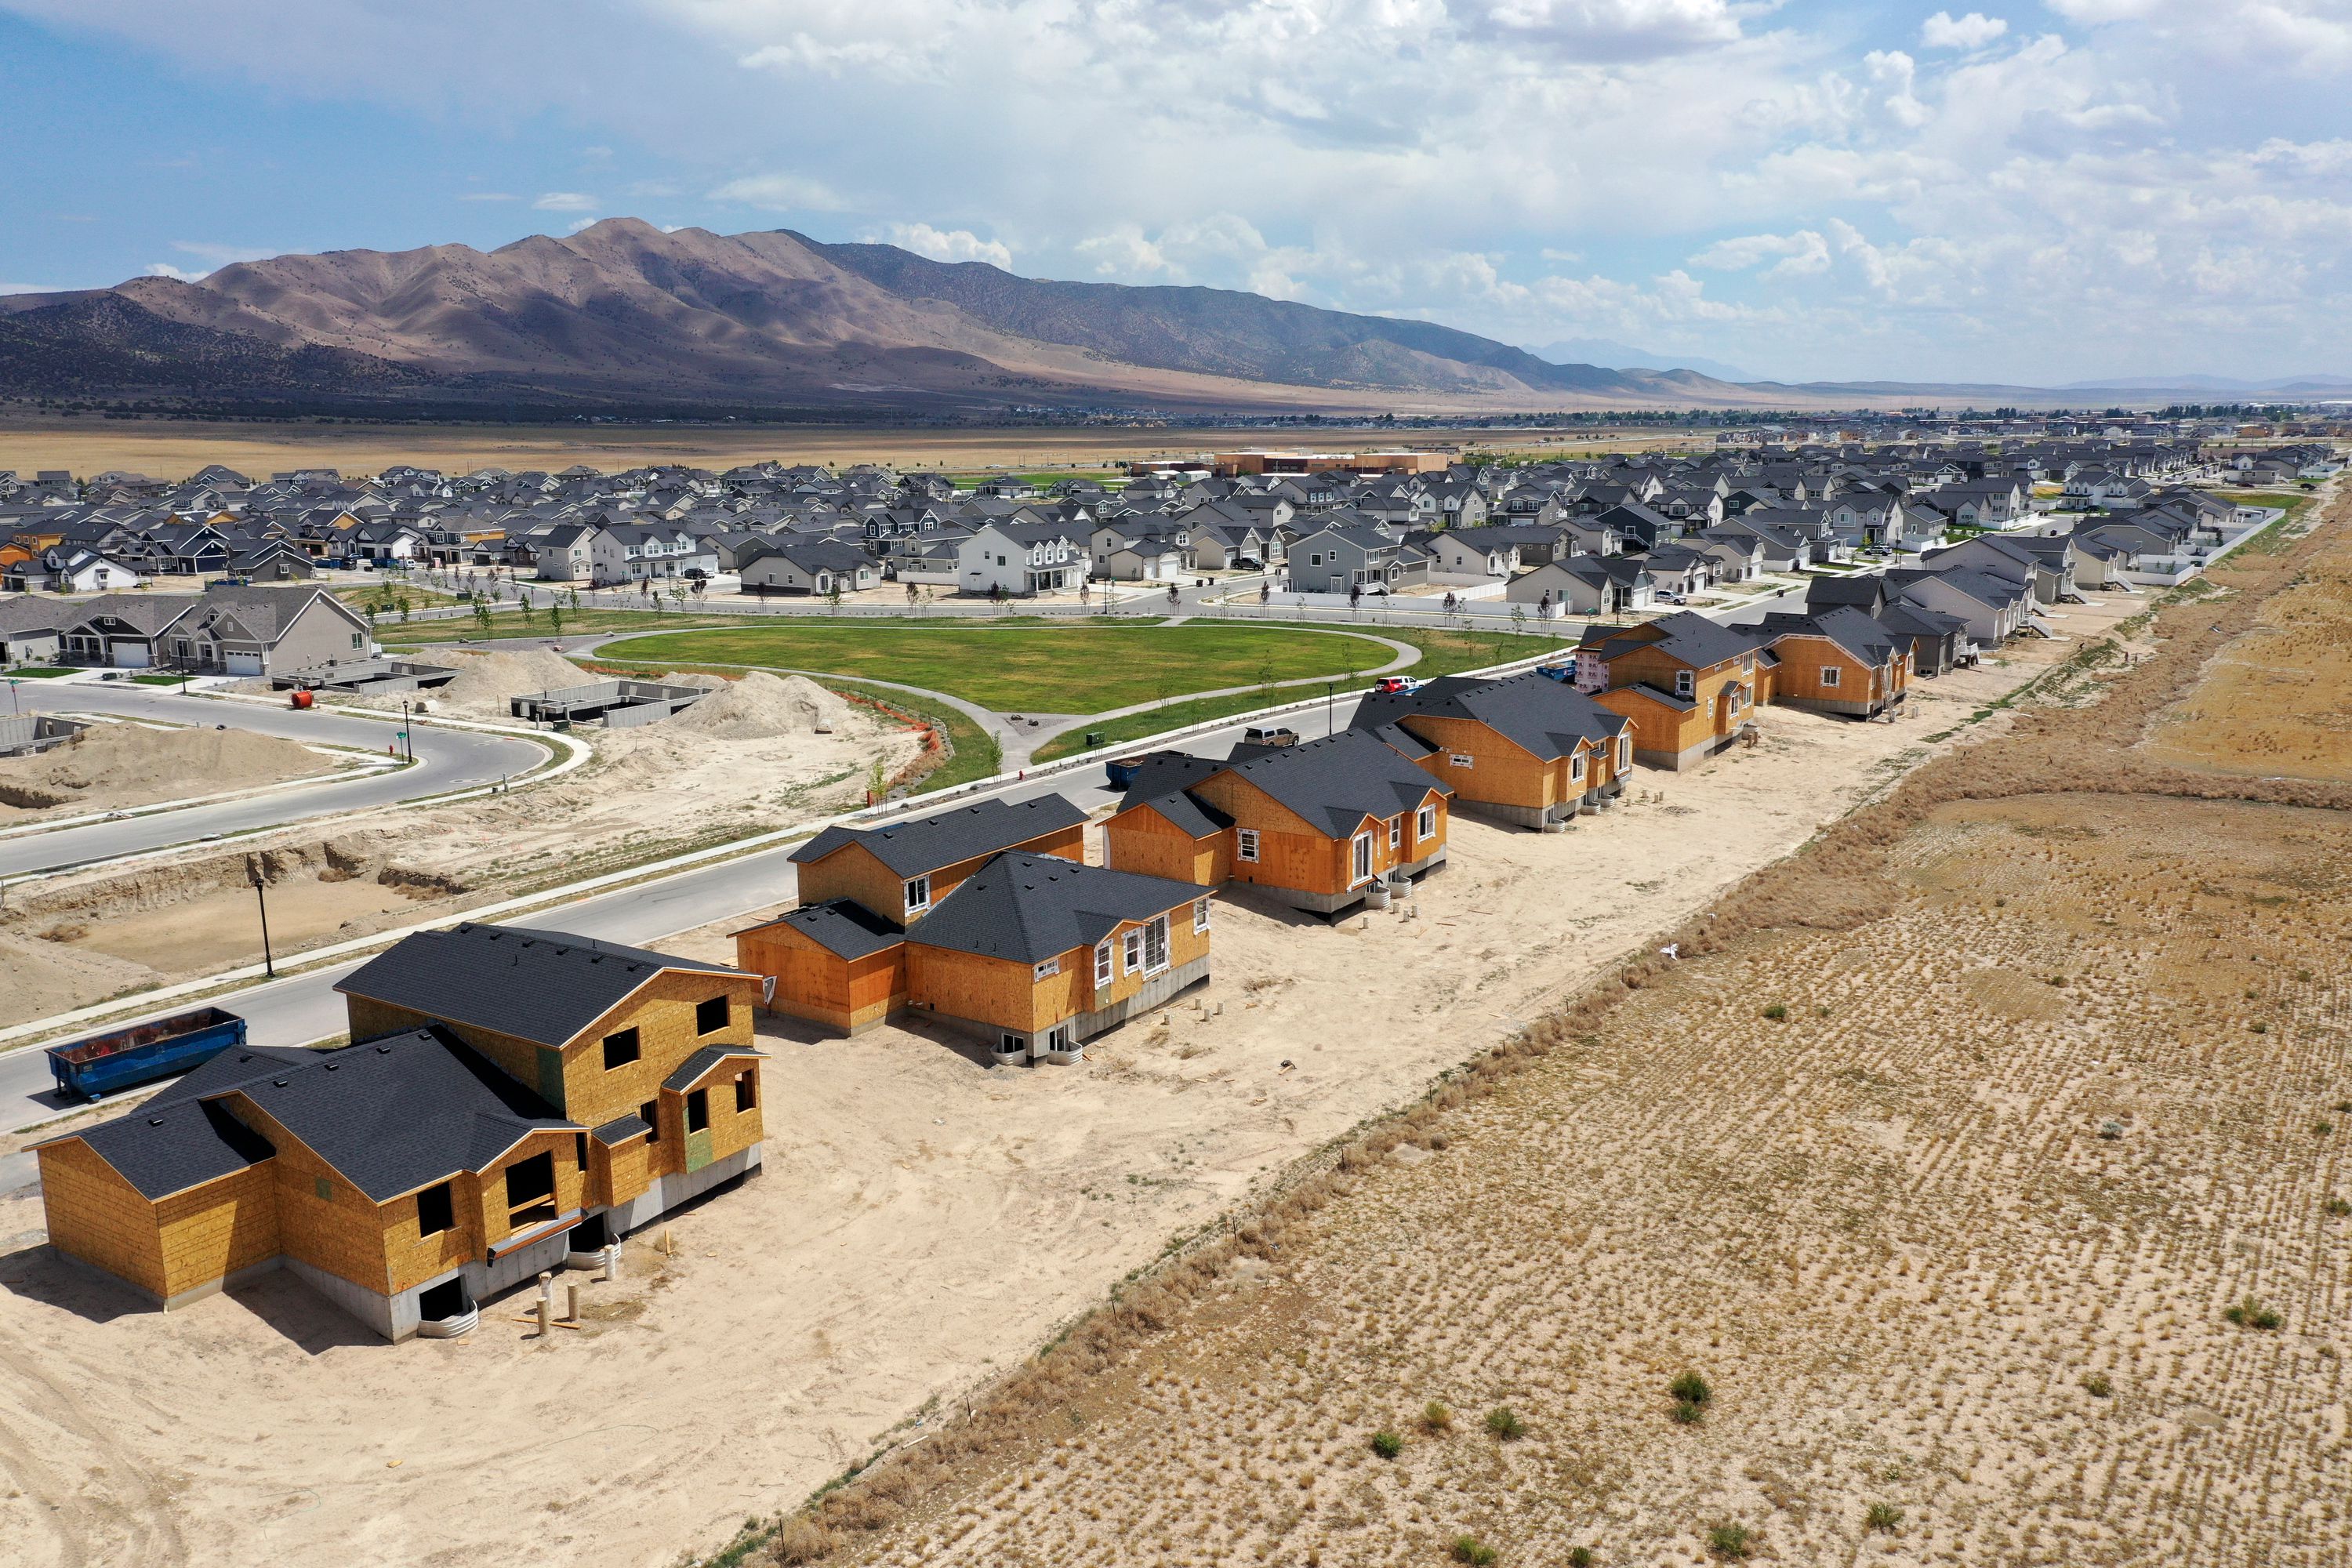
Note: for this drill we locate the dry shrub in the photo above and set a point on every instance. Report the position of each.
(803, 1540)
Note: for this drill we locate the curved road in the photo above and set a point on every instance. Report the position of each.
(304, 1008)
(446, 760)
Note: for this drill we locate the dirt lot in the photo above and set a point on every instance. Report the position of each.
(761, 752)
(169, 449)
(109, 766)
(925, 1221)
(1985, 1162)
(2279, 699)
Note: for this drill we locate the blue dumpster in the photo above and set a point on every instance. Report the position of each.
(160, 1047)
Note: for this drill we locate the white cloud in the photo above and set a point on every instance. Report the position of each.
(565, 202)
(1973, 31)
(1996, 196)
(782, 192)
(485, 195)
(1804, 251)
(183, 275)
(951, 245)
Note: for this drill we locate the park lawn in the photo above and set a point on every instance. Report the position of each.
(42, 671)
(395, 634)
(1442, 653)
(2288, 500)
(386, 596)
(1083, 668)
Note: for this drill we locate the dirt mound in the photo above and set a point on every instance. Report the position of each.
(123, 764)
(487, 681)
(762, 705)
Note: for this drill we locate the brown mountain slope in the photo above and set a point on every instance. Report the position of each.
(625, 314)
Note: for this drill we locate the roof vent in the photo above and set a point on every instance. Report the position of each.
(155, 1121)
(278, 1083)
(383, 1050)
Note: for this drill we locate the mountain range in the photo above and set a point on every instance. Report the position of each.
(1610, 355)
(624, 317)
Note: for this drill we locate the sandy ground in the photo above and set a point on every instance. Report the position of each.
(171, 449)
(924, 1219)
(761, 752)
(2278, 700)
(1955, 1239)
(109, 767)
(1988, 1164)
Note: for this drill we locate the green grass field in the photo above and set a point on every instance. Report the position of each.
(1442, 653)
(2289, 501)
(40, 671)
(1083, 668)
(395, 634)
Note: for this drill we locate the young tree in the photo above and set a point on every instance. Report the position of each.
(555, 619)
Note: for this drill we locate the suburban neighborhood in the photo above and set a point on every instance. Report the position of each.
(510, 1123)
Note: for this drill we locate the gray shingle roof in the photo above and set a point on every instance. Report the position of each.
(843, 927)
(1688, 637)
(1545, 717)
(702, 1062)
(1027, 908)
(539, 985)
(928, 843)
(389, 1116)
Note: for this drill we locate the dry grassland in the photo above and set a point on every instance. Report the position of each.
(174, 448)
(1986, 1162)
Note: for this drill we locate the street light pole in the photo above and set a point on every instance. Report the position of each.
(268, 965)
(1330, 721)
(408, 740)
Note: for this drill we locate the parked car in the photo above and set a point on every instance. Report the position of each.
(1270, 735)
(1391, 684)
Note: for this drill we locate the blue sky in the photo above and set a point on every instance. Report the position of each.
(2036, 193)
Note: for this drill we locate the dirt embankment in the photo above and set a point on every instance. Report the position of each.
(109, 766)
(1965, 1157)
(757, 752)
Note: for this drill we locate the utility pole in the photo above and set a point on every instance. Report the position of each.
(268, 965)
(1330, 723)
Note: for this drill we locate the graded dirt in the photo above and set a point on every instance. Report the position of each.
(109, 766)
(1988, 1162)
(924, 1221)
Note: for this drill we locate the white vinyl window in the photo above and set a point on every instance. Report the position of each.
(1102, 963)
(1685, 683)
(1200, 914)
(1247, 848)
(1576, 766)
(1396, 834)
(918, 895)
(1425, 824)
(1362, 858)
(1155, 945)
(1050, 967)
(1133, 943)
(1458, 759)
(1624, 752)
(1829, 673)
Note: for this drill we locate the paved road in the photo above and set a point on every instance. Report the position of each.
(446, 760)
(305, 1007)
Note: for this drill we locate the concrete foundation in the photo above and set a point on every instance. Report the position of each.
(1332, 903)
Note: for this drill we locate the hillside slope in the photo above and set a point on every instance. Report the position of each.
(623, 314)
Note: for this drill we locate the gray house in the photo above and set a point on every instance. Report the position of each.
(1342, 558)
(807, 566)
